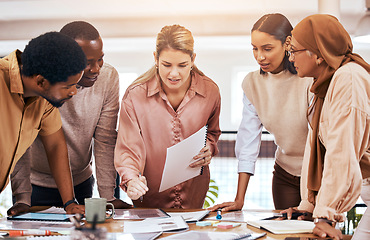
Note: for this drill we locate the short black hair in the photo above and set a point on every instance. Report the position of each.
(277, 25)
(54, 56)
(80, 30)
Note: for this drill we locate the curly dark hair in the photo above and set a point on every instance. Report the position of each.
(54, 56)
(80, 30)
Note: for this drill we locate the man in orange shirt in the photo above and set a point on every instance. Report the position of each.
(32, 85)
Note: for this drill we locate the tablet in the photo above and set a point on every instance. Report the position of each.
(42, 217)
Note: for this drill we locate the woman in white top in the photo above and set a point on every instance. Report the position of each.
(277, 99)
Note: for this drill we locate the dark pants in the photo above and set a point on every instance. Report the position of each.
(285, 189)
(42, 196)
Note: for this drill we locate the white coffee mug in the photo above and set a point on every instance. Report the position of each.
(98, 207)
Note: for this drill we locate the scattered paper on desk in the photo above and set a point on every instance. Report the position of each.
(43, 225)
(36, 216)
(176, 169)
(53, 210)
(224, 224)
(284, 226)
(244, 216)
(133, 236)
(155, 225)
(212, 235)
(190, 216)
(136, 213)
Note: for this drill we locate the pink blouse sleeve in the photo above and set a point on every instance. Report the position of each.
(129, 154)
(213, 131)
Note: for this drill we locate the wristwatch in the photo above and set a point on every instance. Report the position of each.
(317, 220)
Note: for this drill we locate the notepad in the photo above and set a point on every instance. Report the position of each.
(176, 169)
(42, 217)
(284, 226)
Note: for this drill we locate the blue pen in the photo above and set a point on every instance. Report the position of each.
(219, 216)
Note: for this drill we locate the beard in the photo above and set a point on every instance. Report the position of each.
(55, 102)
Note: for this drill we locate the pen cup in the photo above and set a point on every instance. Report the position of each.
(97, 206)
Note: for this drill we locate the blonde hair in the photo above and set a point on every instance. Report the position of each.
(171, 37)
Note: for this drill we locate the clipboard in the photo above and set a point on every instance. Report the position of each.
(179, 156)
(42, 217)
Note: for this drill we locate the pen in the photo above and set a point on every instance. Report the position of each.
(141, 197)
(219, 216)
(17, 233)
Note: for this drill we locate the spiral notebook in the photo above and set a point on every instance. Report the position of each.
(176, 169)
(42, 217)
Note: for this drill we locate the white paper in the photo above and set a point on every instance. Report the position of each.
(44, 225)
(214, 235)
(244, 216)
(190, 216)
(53, 210)
(136, 213)
(155, 225)
(284, 226)
(176, 169)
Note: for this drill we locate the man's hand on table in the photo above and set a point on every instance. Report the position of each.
(75, 208)
(18, 208)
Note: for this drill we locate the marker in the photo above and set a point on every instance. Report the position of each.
(141, 197)
(17, 233)
(219, 216)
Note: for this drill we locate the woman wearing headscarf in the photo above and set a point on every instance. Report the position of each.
(337, 154)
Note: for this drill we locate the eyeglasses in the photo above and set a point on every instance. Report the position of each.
(292, 52)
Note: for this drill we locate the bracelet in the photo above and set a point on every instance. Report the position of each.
(69, 203)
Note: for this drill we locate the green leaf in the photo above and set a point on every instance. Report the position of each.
(214, 193)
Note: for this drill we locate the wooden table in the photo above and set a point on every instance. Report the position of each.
(117, 226)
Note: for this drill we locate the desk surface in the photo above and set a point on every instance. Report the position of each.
(117, 226)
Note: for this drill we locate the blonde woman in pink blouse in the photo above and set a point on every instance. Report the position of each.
(165, 105)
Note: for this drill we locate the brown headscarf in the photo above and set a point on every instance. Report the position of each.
(323, 35)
